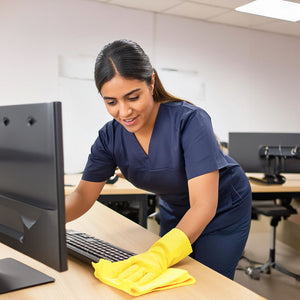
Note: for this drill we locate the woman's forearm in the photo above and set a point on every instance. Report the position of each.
(195, 220)
(203, 196)
(82, 199)
(76, 206)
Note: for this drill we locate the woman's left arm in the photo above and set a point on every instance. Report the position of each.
(203, 194)
(141, 269)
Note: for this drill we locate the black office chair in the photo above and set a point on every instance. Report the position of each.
(276, 212)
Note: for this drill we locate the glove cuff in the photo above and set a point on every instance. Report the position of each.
(176, 246)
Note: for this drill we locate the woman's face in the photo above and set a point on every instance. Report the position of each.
(130, 102)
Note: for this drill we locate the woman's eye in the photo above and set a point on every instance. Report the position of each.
(111, 102)
(133, 98)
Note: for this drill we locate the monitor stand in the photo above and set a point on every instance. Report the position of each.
(15, 275)
(269, 179)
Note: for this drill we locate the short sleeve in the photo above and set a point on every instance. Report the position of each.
(202, 153)
(101, 165)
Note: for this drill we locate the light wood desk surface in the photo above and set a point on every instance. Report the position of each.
(79, 282)
(122, 186)
(290, 189)
(292, 184)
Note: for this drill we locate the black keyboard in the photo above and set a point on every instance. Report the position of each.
(88, 248)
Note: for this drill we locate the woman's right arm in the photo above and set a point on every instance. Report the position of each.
(82, 199)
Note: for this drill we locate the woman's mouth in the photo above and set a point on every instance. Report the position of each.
(130, 121)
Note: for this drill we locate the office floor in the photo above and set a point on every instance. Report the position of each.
(274, 286)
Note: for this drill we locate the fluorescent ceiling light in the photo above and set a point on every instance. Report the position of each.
(278, 9)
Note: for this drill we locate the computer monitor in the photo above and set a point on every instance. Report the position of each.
(32, 206)
(266, 152)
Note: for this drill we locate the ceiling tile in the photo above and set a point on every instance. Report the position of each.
(194, 10)
(224, 3)
(240, 19)
(217, 11)
(151, 5)
(284, 27)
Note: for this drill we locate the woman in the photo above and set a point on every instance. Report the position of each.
(167, 146)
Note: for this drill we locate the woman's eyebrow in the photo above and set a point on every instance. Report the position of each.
(126, 95)
(133, 91)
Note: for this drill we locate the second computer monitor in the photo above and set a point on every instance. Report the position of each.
(266, 152)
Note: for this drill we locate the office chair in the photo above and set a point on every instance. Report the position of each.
(276, 212)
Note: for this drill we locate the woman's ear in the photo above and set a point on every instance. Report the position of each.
(152, 82)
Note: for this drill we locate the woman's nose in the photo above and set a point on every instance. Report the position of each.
(125, 110)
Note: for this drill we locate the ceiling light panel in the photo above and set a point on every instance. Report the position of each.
(278, 9)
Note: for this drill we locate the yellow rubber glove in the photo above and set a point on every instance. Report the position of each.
(144, 268)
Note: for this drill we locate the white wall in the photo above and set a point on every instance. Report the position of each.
(249, 79)
(252, 78)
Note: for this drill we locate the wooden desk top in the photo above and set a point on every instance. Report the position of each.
(79, 282)
(292, 184)
(121, 187)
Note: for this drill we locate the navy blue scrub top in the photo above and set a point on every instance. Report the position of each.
(183, 146)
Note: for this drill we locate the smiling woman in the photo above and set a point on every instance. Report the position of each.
(167, 146)
(130, 102)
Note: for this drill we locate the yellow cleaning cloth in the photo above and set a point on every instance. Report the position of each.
(150, 270)
(170, 278)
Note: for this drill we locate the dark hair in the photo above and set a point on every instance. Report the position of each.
(128, 59)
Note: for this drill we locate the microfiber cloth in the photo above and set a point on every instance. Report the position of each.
(170, 278)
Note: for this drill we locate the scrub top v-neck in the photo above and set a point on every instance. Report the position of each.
(182, 146)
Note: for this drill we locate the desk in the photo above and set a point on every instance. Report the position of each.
(290, 189)
(79, 282)
(122, 190)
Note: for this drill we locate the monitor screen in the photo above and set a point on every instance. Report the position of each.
(268, 153)
(32, 207)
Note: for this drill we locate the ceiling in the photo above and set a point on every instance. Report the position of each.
(215, 11)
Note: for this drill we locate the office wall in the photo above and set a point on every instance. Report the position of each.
(47, 53)
(249, 79)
